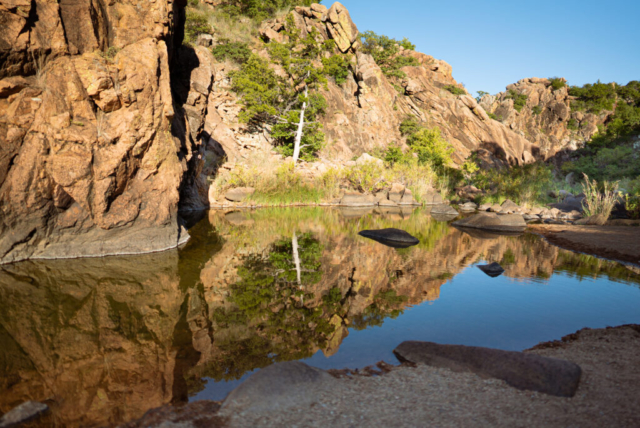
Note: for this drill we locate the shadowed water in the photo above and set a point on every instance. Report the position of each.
(103, 340)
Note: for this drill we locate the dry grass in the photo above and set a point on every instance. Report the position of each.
(597, 202)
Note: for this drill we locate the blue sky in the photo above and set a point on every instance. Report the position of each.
(492, 43)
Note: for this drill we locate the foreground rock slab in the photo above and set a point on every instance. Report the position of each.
(494, 222)
(279, 387)
(523, 371)
(22, 414)
(395, 238)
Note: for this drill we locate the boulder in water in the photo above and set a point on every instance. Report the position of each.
(394, 238)
(494, 222)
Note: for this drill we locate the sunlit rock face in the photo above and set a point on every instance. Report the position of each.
(95, 149)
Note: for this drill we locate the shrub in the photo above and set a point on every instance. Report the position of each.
(593, 97)
(536, 110)
(455, 90)
(386, 53)
(197, 22)
(409, 125)
(572, 125)
(337, 66)
(519, 100)
(393, 154)
(430, 147)
(237, 52)
(557, 83)
(367, 177)
(596, 202)
(527, 184)
(493, 116)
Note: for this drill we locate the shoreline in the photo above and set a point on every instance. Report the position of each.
(617, 243)
(608, 394)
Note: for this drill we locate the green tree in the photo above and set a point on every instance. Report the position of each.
(480, 95)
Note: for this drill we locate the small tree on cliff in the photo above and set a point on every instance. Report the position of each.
(287, 106)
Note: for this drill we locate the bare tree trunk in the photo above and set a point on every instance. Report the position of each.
(298, 140)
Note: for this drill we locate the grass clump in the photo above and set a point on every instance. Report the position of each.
(455, 90)
(536, 110)
(519, 100)
(598, 202)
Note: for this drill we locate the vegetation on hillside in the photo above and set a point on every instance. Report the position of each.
(519, 100)
(386, 53)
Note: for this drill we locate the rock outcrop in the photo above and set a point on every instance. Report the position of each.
(95, 149)
(546, 118)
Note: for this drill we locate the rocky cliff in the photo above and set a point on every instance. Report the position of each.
(545, 117)
(110, 124)
(95, 147)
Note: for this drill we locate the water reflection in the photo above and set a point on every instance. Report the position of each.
(104, 340)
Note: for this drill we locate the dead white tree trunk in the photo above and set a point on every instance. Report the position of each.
(298, 140)
(296, 258)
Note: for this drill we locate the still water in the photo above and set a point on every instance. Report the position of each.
(103, 340)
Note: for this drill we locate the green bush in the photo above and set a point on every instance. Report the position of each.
(536, 110)
(393, 154)
(455, 90)
(409, 125)
(430, 147)
(259, 10)
(572, 125)
(593, 97)
(197, 22)
(237, 52)
(519, 100)
(527, 184)
(337, 66)
(557, 83)
(386, 53)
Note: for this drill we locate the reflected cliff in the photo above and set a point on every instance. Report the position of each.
(103, 340)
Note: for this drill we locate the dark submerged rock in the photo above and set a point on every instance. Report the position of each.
(394, 238)
(493, 270)
(522, 371)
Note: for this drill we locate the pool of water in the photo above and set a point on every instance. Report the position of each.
(103, 340)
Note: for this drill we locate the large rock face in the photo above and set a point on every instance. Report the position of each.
(546, 119)
(95, 149)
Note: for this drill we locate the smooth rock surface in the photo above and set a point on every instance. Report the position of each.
(239, 194)
(444, 209)
(523, 371)
(278, 387)
(353, 199)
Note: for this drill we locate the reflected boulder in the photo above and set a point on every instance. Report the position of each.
(493, 270)
(494, 222)
(394, 238)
